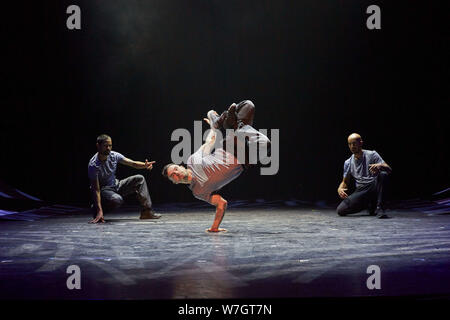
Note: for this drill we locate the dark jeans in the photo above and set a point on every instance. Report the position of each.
(367, 197)
(244, 114)
(112, 197)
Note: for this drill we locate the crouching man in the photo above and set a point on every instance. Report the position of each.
(369, 171)
(107, 191)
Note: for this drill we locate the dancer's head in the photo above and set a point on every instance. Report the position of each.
(355, 143)
(104, 144)
(176, 173)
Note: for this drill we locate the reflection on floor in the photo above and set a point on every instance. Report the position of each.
(268, 251)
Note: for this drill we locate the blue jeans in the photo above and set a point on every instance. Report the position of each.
(112, 197)
(367, 197)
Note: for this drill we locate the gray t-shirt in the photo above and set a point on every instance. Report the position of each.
(210, 172)
(359, 169)
(105, 171)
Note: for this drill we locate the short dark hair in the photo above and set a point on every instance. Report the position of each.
(164, 170)
(102, 138)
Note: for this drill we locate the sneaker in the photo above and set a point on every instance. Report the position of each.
(231, 120)
(213, 118)
(379, 213)
(149, 214)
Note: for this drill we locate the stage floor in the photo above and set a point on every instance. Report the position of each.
(266, 253)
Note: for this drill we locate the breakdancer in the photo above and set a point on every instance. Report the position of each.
(208, 171)
(369, 171)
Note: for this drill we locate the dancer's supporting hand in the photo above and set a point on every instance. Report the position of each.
(221, 206)
(216, 230)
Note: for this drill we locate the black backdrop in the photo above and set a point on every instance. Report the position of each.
(137, 70)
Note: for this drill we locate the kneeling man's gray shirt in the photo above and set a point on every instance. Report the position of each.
(359, 168)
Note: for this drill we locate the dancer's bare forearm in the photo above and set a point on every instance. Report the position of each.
(210, 139)
(221, 206)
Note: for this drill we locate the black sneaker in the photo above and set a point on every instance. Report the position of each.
(149, 214)
(213, 119)
(379, 213)
(231, 120)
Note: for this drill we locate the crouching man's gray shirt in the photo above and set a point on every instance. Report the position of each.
(104, 171)
(359, 169)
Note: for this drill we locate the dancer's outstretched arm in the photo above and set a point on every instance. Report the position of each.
(221, 206)
(210, 139)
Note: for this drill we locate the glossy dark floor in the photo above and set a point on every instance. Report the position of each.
(267, 252)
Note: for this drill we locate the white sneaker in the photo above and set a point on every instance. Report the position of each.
(212, 117)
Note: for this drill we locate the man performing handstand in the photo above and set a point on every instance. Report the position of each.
(207, 171)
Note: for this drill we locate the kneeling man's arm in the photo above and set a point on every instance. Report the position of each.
(343, 187)
(384, 166)
(376, 167)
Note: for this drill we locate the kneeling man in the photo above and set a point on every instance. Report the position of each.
(369, 171)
